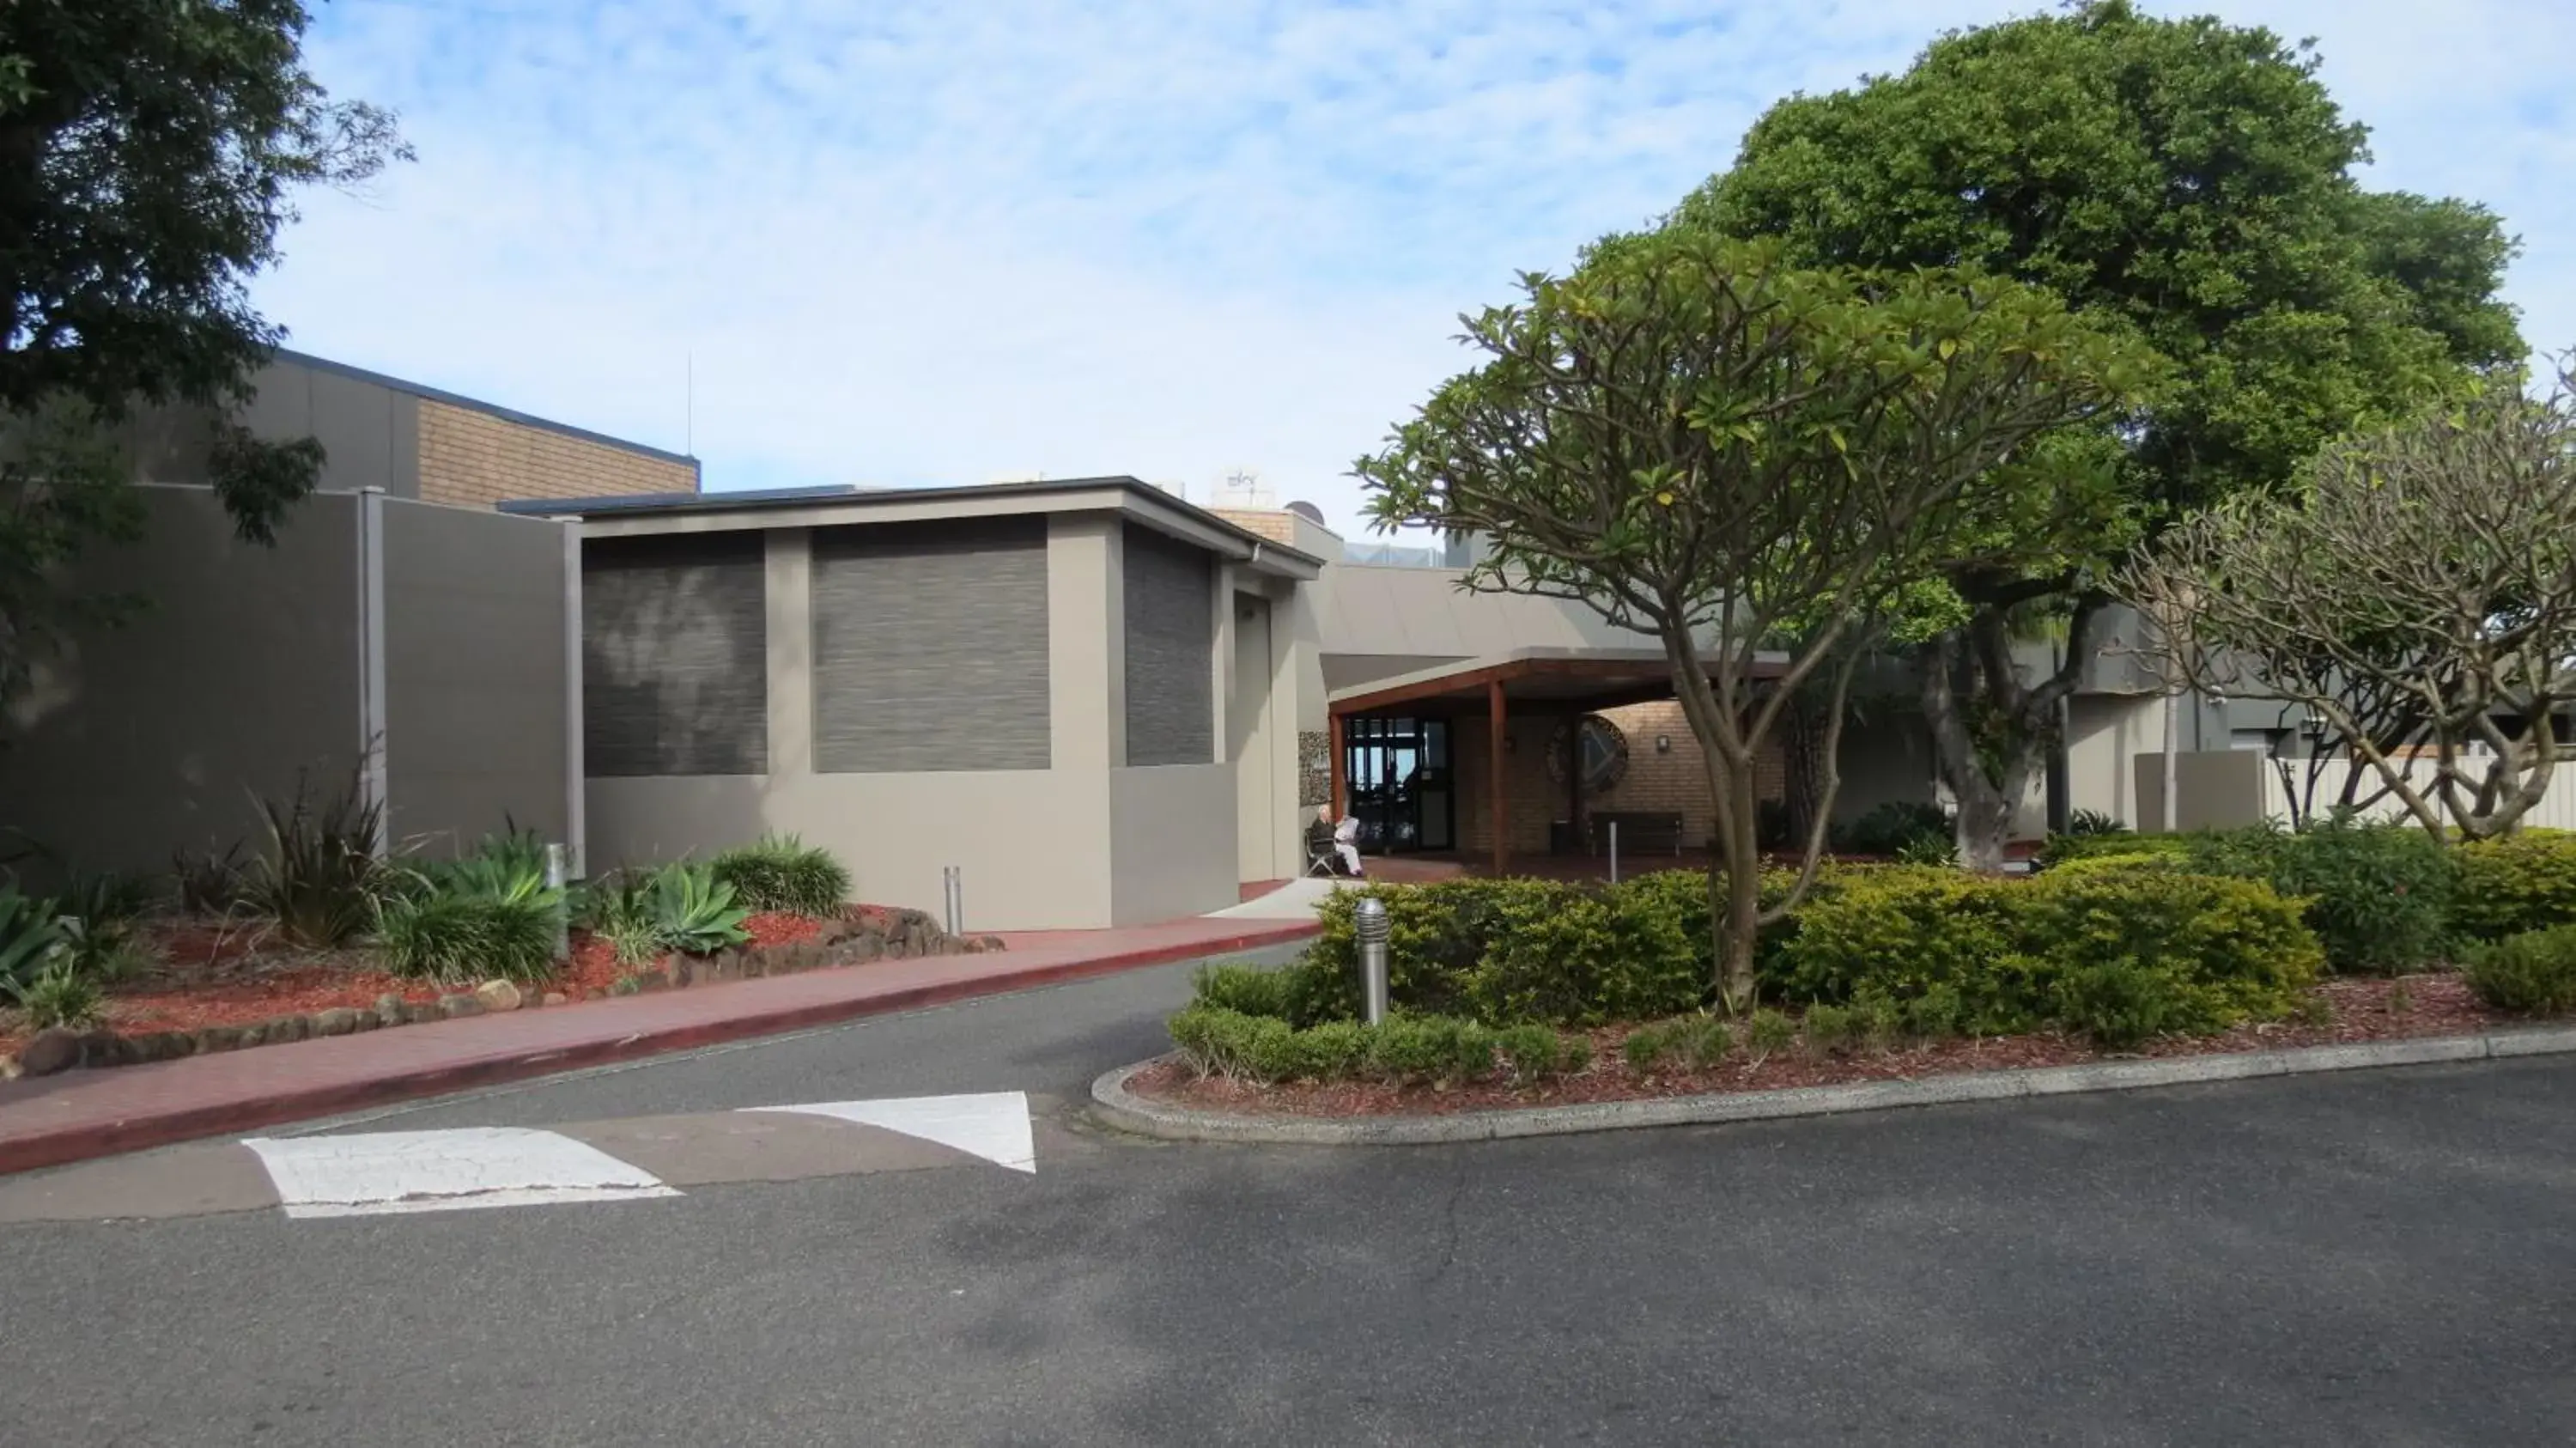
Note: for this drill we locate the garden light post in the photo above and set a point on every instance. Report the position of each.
(556, 879)
(952, 882)
(1368, 922)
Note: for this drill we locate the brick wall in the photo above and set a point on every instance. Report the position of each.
(475, 459)
(1277, 525)
(1659, 782)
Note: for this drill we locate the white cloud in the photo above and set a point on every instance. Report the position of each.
(924, 242)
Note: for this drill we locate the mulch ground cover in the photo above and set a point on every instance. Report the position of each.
(2353, 1010)
(205, 973)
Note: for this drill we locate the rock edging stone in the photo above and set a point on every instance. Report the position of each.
(1116, 1106)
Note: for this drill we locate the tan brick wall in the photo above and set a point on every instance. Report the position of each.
(1671, 781)
(474, 459)
(1277, 525)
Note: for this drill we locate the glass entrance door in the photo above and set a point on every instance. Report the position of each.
(1398, 771)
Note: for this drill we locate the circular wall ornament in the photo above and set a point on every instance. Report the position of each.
(1604, 750)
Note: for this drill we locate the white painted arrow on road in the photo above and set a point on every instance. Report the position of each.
(993, 1125)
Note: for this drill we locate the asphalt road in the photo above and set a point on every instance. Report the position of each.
(2367, 1258)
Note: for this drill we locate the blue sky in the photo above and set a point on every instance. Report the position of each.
(901, 243)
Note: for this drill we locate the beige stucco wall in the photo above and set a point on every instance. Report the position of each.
(476, 459)
(1083, 843)
(1171, 841)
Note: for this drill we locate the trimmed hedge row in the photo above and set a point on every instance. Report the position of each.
(2384, 899)
(1404, 1050)
(2120, 954)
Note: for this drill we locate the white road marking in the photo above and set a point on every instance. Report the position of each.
(390, 1172)
(993, 1125)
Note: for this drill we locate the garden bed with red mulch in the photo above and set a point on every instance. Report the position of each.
(2353, 1010)
(203, 973)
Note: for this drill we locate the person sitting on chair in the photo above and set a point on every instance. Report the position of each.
(1344, 838)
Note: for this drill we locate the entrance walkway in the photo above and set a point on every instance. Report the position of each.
(46, 1120)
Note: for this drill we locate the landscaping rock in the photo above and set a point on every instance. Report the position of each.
(104, 1048)
(287, 1028)
(499, 995)
(50, 1051)
(553, 998)
(453, 1006)
(338, 1021)
(390, 1010)
(422, 1012)
(161, 1046)
(218, 1038)
(250, 1035)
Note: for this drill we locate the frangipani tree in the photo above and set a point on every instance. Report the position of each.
(2418, 595)
(1702, 442)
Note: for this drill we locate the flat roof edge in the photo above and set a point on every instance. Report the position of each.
(474, 404)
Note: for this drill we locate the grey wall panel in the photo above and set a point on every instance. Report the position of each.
(674, 657)
(475, 690)
(930, 647)
(237, 676)
(1171, 631)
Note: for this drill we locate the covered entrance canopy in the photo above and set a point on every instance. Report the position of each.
(1547, 681)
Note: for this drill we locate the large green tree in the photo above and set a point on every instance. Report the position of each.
(2186, 179)
(149, 150)
(1753, 462)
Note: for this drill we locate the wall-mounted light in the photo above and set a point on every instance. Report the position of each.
(1663, 744)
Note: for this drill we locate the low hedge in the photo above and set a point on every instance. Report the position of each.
(2521, 883)
(2122, 955)
(2379, 896)
(1404, 1050)
(2532, 973)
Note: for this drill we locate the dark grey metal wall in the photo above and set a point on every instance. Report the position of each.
(930, 646)
(674, 655)
(1171, 632)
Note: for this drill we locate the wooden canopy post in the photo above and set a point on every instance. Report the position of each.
(1494, 750)
(1335, 765)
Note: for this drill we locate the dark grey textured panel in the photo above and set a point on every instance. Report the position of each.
(930, 647)
(675, 655)
(1170, 635)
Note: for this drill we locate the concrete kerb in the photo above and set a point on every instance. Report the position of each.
(1116, 1106)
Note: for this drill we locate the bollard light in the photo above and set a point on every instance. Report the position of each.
(556, 878)
(1368, 923)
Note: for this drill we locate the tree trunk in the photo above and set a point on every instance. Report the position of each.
(1802, 784)
(1739, 914)
(1989, 776)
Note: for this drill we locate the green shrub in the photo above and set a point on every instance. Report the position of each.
(1768, 1032)
(1329, 1052)
(1953, 953)
(1536, 1052)
(1574, 1055)
(1830, 1028)
(319, 881)
(208, 883)
(1704, 1041)
(2057, 850)
(782, 873)
(1645, 1047)
(2379, 896)
(2522, 882)
(2085, 822)
(1573, 957)
(106, 900)
(1431, 1048)
(1247, 989)
(694, 912)
(1890, 827)
(103, 952)
(1212, 1039)
(455, 938)
(31, 936)
(1901, 932)
(1879, 1022)
(58, 995)
(2533, 973)
(619, 907)
(2124, 1001)
(2113, 863)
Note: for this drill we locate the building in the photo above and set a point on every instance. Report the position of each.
(1095, 702)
